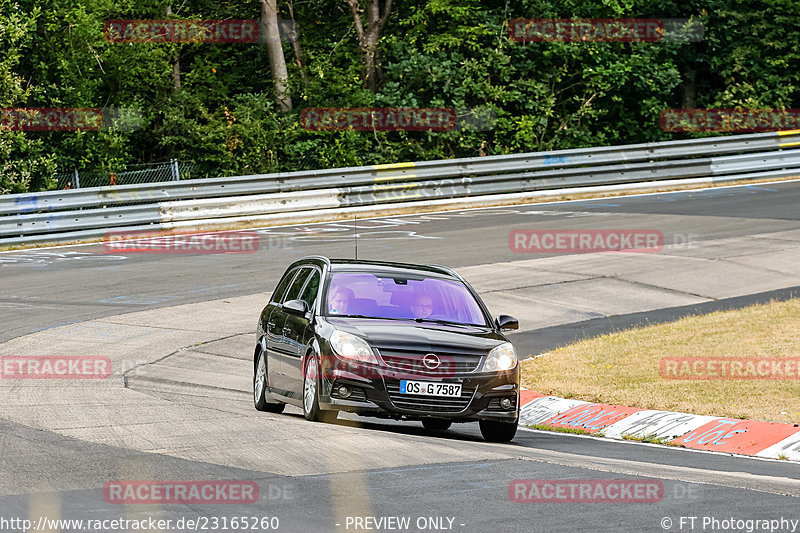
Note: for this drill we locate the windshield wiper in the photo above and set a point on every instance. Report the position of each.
(445, 322)
(365, 316)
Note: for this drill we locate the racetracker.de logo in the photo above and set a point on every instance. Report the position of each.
(69, 119)
(55, 367)
(440, 366)
(548, 241)
(180, 492)
(51, 119)
(181, 31)
(585, 491)
(729, 120)
(143, 242)
(378, 118)
(586, 30)
(733, 368)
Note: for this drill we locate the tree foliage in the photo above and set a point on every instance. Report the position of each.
(431, 53)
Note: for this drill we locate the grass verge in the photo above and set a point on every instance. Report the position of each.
(623, 368)
(652, 439)
(559, 429)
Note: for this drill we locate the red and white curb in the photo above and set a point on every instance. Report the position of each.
(727, 435)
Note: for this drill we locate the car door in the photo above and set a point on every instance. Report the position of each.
(280, 349)
(273, 321)
(297, 330)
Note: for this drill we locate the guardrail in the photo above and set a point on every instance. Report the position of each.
(89, 213)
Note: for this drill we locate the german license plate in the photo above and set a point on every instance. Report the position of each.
(427, 388)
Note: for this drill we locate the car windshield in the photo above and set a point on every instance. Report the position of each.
(392, 296)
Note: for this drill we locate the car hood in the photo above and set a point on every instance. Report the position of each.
(424, 337)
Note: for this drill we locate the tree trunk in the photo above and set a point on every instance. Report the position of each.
(277, 63)
(291, 34)
(176, 63)
(688, 88)
(176, 72)
(369, 36)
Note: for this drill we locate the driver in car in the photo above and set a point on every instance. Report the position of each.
(339, 300)
(422, 307)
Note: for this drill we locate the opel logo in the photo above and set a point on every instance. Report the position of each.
(431, 361)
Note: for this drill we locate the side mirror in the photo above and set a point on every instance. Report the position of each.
(296, 307)
(507, 322)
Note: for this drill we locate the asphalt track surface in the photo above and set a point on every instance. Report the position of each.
(66, 285)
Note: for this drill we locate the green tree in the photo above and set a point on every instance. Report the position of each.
(23, 160)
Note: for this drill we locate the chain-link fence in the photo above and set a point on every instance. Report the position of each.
(142, 173)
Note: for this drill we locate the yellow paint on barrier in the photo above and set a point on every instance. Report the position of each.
(112, 194)
(786, 145)
(393, 165)
(393, 171)
(788, 132)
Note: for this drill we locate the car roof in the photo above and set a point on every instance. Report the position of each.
(341, 265)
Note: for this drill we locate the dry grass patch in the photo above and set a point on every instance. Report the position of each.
(623, 368)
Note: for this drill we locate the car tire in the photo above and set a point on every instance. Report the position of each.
(260, 388)
(311, 383)
(436, 424)
(494, 431)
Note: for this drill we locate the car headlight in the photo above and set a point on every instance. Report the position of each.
(351, 347)
(502, 357)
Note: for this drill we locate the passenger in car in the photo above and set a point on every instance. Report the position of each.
(339, 300)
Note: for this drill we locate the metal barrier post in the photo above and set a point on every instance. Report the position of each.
(176, 174)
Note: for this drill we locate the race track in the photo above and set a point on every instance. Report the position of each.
(179, 330)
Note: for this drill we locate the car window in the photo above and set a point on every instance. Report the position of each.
(386, 295)
(297, 285)
(310, 291)
(280, 290)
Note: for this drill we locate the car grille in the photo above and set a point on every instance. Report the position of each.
(412, 364)
(437, 404)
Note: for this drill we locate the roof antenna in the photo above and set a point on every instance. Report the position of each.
(355, 232)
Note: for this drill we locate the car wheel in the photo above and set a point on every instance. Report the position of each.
(494, 431)
(311, 409)
(260, 388)
(436, 424)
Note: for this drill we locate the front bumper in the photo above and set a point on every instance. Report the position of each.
(375, 392)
